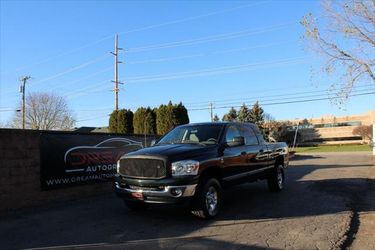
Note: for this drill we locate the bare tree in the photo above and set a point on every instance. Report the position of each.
(45, 111)
(346, 39)
(364, 131)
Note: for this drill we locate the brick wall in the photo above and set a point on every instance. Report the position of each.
(20, 174)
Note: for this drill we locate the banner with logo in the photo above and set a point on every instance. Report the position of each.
(71, 159)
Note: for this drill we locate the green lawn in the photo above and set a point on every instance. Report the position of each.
(333, 148)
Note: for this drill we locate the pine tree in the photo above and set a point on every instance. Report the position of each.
(163, 119)
(244, 114)
(144, 121)
(112, 127)
(231, 116)
(121, 121)
(216, 118)
(170, 116)
(257, 115)
(181, 114)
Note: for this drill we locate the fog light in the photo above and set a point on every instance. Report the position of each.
(176, 192)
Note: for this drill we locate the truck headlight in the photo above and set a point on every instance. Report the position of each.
(189, 167)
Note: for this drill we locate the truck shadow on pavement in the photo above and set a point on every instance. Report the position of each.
(105, 222)
(300, 157)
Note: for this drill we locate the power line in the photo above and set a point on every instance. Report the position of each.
(288, 102)
(226, 101)
(211, 71)
(75, 68)
(213, 38)
(163, 59)
(252, 47)
(358, 91)
(193, 17)
(92, 118)
(215, 71)
(83, 91)
(263, 104)
(83, 78)
(142, 29)
(173, 58)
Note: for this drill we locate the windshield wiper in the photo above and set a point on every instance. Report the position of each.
(193, 142)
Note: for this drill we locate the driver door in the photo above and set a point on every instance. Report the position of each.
(234, 158)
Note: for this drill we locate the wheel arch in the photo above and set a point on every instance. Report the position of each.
(280, 160)
(211, 172)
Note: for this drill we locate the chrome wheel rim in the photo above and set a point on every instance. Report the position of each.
(211, 200)
(280, 178)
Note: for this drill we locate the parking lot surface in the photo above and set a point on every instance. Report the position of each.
(328, 203)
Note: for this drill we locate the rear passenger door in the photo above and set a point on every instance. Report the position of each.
(256, 151)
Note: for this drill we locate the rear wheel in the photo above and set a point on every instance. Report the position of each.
(207, 200)
(135, 206)
(276, 179)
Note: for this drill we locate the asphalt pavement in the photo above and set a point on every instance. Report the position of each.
(328, 203)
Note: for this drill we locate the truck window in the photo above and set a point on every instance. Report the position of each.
(204, 134)
(259, 135)
(232, 131)
(250, 137)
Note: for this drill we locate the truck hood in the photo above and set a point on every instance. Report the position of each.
(177, 151)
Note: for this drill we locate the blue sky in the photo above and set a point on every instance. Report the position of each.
(197, 52)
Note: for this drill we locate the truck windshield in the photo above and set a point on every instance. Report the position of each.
(198, 134)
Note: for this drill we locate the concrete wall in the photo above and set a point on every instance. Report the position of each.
(20, 174)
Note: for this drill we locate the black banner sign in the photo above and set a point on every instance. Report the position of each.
(70, 159)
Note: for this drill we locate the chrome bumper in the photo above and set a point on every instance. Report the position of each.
(186, 191)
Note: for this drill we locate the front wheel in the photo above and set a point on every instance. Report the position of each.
(276, 179)
(207, 200)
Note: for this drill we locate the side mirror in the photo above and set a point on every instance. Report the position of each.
(237, 141)
(153, 142)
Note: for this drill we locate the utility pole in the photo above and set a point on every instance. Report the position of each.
(373, 141)
(295, 136)
(211, 113)
(116, 81)
(22, 90)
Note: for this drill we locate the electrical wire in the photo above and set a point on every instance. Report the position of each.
(214, 71)
(229, 101)
(193, 18)
(287, 102)
(148, 27)
(75, 68)
(213, 38)
(262, 104)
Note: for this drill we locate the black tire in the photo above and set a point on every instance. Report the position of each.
(207, 201)
(135, 206)
(276, 179)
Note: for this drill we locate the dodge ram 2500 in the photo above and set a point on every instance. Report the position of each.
(192, 163)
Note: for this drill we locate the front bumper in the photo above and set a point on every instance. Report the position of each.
(164, 194)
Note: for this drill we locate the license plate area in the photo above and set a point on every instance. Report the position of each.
(138, 195)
